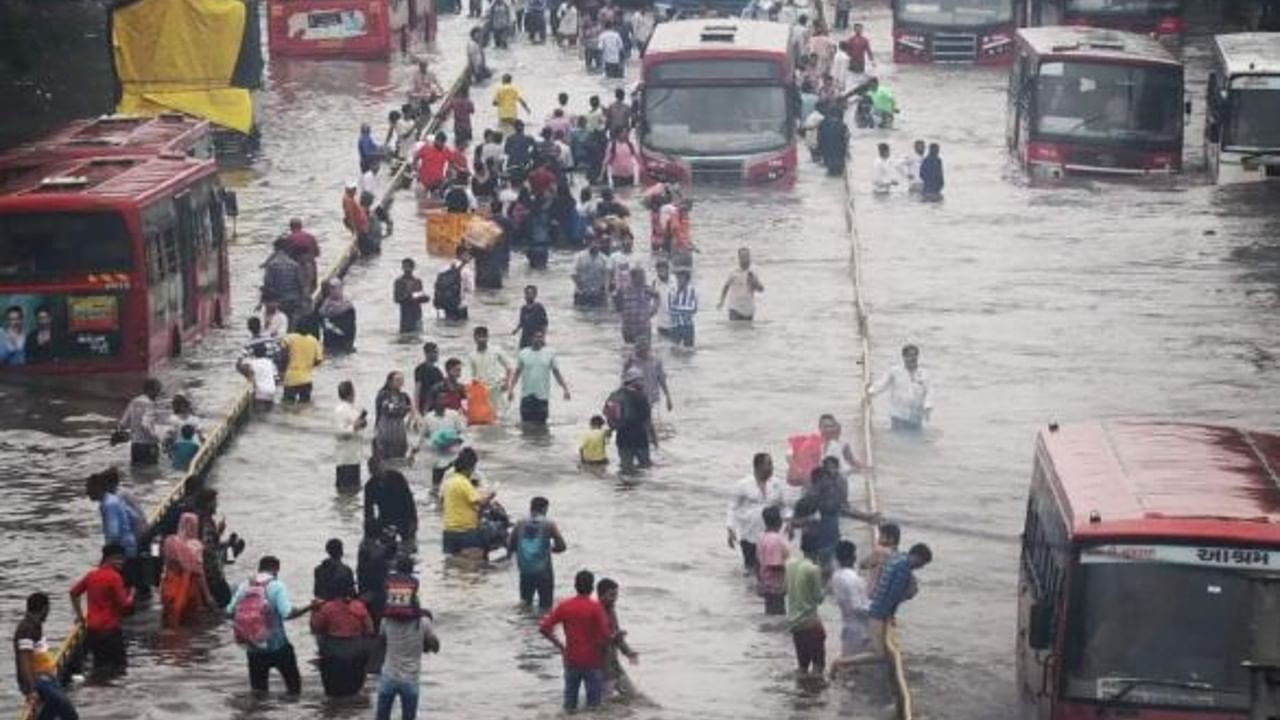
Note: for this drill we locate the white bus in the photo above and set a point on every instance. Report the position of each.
(1242, 127)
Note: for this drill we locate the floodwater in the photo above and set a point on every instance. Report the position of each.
(1030, 304)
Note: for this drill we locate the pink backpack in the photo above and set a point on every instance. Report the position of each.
(254, 616)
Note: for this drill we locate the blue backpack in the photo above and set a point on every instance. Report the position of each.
(533, 548)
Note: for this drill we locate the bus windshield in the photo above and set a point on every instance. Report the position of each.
(746, 119)
(954, 13)
(1124, 7)
(1154, 633)
(46, 246)
(1109, 103)
(1251, 115)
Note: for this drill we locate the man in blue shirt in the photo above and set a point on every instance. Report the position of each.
(275, 652)
(122, 523)
(891, 590)
(370, 153)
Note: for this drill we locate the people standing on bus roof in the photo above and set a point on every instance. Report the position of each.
(931, 180)
(741, 288)
(910, 393)
(140, 423)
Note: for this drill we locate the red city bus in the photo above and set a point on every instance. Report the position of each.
(117, 135)
(347, 29)
(717, 102)
(1150, 574)
(1085, 100)
(1161, 18)
(110, 264)
(953, 31)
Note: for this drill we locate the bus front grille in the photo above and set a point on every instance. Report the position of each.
(955, 47)
(713, 170)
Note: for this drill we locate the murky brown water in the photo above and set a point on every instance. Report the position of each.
(1030, 304)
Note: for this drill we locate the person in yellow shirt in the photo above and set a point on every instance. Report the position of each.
(592, 447)
(462, 502)
(305, 354)
(508, 99)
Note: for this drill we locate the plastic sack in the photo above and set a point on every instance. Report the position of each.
(804, 453)
(479, 408)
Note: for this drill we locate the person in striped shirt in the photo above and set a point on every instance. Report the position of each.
(683, 305)
(893, 587)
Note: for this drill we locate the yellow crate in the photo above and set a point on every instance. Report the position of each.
(444, 231)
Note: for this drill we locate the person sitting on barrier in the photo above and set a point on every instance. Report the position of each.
(891, 590)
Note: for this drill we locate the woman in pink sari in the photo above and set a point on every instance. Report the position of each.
(184, 590)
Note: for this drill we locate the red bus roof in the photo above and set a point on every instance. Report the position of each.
(122, 178)
(1152, 480)
(113, 135)
(1072, 42)
(719, 35)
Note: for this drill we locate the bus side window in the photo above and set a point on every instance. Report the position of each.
(1042, 569)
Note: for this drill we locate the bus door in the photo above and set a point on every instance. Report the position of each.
(1041, 602)
(188, 260)
(1264, 653)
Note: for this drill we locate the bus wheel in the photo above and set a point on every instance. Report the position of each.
(175, 344)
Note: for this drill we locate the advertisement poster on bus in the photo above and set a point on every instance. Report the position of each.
(327, 24)
(49, 328)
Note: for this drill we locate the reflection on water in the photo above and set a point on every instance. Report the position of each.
(1029, 303)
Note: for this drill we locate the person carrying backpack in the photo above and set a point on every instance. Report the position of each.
(452, 285)
(533, 540)
(630, 415)
(258, 611)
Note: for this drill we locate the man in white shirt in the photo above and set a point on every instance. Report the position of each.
(642, 25)
(611, 49)
(751, 495)
(261, 371)
(850, 592)
(884, 175)
(741, 288)
(911, 167)
(910, 395)
(349, 424)
(662, 288)
(490, 367)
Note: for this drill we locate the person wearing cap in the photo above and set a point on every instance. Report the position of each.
(633, 429)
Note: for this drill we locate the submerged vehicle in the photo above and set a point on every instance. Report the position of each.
(1242, 127)
(1085, 100)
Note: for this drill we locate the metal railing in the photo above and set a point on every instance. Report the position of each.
(902, 692)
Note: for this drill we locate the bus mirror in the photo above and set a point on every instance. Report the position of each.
(1040, 632)
(230, 205)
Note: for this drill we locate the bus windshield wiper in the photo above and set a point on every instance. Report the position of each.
(1130, 684)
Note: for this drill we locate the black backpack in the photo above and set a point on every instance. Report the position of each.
(448, 291)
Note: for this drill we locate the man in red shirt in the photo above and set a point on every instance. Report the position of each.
(858, 48)
(109, 602)
(434, 162)
(587, 636)
(302, 246)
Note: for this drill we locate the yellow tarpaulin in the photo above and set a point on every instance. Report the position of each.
(181, 55)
